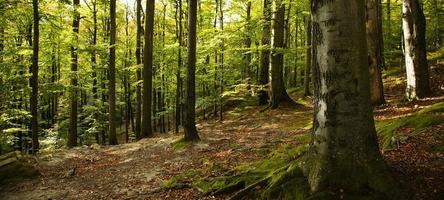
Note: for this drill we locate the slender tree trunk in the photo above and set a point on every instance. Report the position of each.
(34, 79)
(294, 82)
(179, 66)
(374, 34)
(94, 63)
(247, 55)
(147, 130)
(389, 23)
(138, 72)
(221, 22)
(265, 54)
(112, 76)
(344, 153)
(279, 94)
(308, 59)
(190, 94)
(72, 136)
(414, 27)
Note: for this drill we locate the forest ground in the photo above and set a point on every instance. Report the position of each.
(140, 170)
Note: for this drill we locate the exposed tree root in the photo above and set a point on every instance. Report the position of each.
(241, 193)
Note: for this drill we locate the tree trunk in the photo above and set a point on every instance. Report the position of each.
(72, 136)
(179, 66)
(138, 72)
(344, 153)
(94, 63)
(308, 59)
(374, 47)
(34, 79)
(389, 23)
(414, 27)
(247, 55)
(279, 94)
(190, 94)
(112, 76)
(147, 130)
(294, 81)
(265, 54)
(222, 57)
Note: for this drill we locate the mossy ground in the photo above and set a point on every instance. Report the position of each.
(393, 130)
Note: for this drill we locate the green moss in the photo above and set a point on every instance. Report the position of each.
(433, 56)
(180, 144)
(388, 129)
(179, 179)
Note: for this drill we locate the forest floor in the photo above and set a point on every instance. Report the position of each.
(140, 170)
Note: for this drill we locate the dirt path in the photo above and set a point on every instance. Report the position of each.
(138, 170)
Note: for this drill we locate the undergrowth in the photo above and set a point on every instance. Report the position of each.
(390, 130)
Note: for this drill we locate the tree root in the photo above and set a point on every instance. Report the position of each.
(241, 193)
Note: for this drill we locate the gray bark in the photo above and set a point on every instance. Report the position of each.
(343, 153)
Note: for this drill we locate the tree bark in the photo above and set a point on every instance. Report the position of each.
(222, 58)
(247, 55)
(179, 66)
(190, 88)
(147, 130)
(374, 47)
(344, 153)
(138, 72)
(265, 53)
(112, 76)
(414, 27)
(34, 79)
(72, 136)
(279, 94)
(308, 59)
(94, 62)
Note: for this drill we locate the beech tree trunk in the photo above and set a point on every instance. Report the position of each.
(247, 55)
(417, 70)
(112, 76)
(279, 94)
(34, 80)
(147, 130)
(190, 87)
(344, 153)
(374, 47)
(138, 72)
(94, 62)
(179, 66)
(72, 135)
(265, 54)
(308, 59)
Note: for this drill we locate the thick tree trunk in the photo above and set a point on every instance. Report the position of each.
(308, 59)
(112, 76)
(190, 91)
(414, 27)
(374, 35)
(34, 81)
(344, 153)
(265, 54)
(147, 130)
(72, 136)
(279, 94)
(138, 72)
